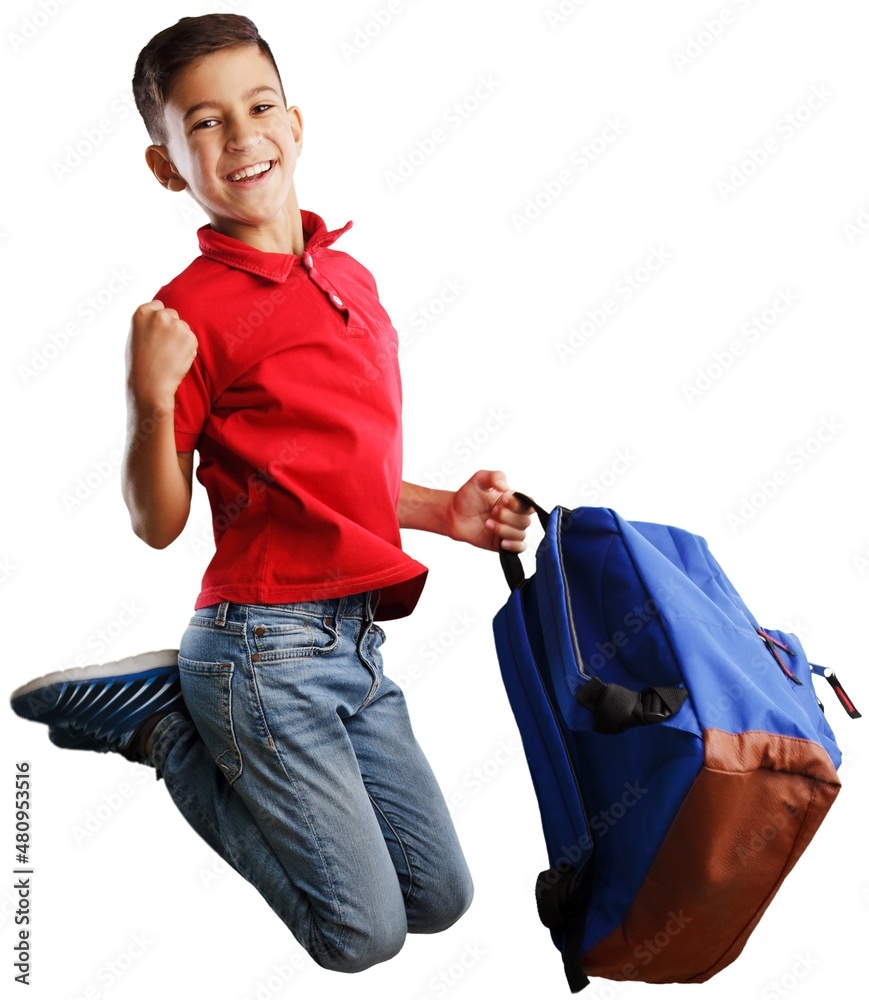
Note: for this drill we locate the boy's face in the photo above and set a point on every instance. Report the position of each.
(232, 144)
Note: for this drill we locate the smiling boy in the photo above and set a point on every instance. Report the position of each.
(291, 752)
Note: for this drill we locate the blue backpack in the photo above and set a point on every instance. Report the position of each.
(681, 759)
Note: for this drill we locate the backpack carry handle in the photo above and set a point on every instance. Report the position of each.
(511, 564)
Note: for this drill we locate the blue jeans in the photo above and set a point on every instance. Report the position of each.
(301, 770)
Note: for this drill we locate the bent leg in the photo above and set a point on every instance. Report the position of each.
(411, 809)
(272, 782)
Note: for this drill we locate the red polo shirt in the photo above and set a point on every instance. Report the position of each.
(294, 403)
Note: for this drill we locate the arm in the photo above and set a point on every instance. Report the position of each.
(157, 480)
(484, 512)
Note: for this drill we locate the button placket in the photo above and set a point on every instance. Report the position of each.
(329, 289)
(353, 326)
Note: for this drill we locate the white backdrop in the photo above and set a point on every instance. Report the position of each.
(625, 246)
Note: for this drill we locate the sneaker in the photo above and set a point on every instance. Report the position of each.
(99, 707)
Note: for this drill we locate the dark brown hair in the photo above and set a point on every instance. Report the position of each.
(174, 49)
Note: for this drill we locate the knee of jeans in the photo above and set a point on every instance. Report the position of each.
(441, 909)
(360, 949)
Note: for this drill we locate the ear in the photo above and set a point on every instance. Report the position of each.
(296, 125)
(157, 158)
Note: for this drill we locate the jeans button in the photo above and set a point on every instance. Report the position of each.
(259, 630)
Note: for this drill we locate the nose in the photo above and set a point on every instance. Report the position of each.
(244, 134)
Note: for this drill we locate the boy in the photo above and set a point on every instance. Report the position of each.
(276, 731)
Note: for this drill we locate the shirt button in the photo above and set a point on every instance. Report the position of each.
(259, 630)
(336, 300)
(309, 260)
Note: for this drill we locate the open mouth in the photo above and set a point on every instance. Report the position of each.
(251, 173)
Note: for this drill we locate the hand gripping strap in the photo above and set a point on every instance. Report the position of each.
(510, 561)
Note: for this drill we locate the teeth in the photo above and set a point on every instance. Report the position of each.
(257, 168)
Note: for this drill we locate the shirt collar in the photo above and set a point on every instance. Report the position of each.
(274, 266)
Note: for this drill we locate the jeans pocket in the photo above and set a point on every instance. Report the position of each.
(207, 690)
(288, 636)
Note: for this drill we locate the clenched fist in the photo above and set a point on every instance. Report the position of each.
(160, 350)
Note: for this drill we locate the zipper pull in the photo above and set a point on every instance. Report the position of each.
(835, 684)
(771, 644)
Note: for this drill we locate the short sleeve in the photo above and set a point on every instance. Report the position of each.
(192, 407)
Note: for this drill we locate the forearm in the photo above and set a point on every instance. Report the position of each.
(424, 508)
(483, 512)
(155, 489)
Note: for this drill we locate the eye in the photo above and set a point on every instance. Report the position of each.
(205, 123)
(261, 107)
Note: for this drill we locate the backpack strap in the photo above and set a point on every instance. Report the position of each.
(510, 562)
(618, 708)
(562, 901)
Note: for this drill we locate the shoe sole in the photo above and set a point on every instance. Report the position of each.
(127, 667)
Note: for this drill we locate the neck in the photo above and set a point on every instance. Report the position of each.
(282, 234)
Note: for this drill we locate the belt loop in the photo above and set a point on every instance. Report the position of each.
(222, 612)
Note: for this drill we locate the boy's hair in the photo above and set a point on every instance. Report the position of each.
(174, 49)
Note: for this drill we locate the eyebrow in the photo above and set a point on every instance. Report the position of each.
(213, 104)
